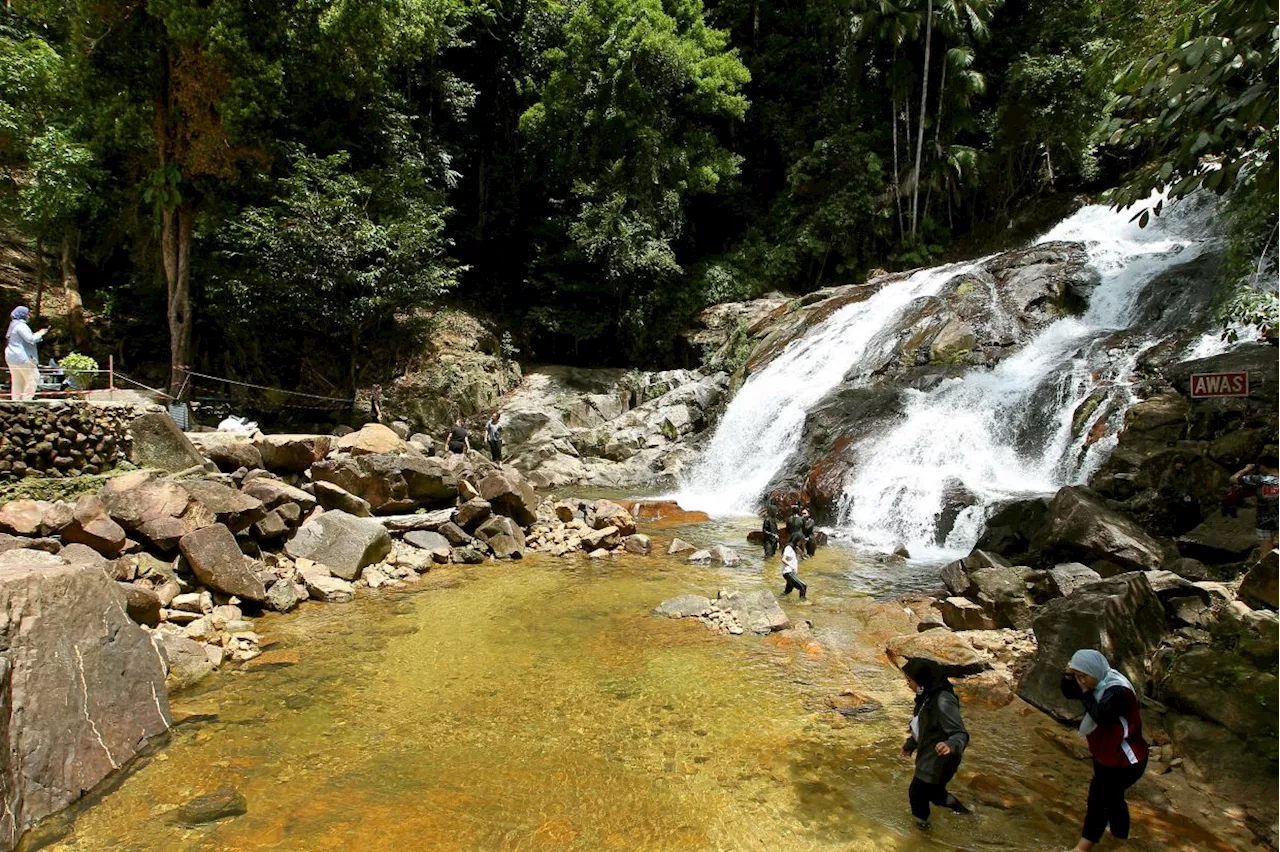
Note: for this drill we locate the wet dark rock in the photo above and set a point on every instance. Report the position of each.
(1259, 587)
(1225, 688)
(1122, 615)
(211, 807)
(684, 606)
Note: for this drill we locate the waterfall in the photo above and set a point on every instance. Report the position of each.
(764, 423)
(1026, 427)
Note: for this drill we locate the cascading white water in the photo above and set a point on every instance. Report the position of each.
(1016, 430)
(763, 424)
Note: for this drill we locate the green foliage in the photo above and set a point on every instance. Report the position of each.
(81, 368)
(624, 131)
(1209, 95)
(334, 256)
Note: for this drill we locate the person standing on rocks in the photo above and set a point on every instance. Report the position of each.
(20, 354)
(1113, 728)
(809, 530)
(493, 432)
(375, 403)
(457, 440)
(770, 529)
(791, 567)
(1262, 478)
(938, 739)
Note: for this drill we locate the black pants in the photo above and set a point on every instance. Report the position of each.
(794, 582)
(495, 450)
(922, 794)
(770, 546)
(1106, 800)
(811, 544)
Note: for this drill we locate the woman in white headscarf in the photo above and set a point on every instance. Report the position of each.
(1113, 727)
(20, 355)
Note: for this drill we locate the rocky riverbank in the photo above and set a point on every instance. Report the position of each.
(185, 555)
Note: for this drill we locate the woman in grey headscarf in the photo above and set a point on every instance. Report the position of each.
(1113, 727)
(20, 354)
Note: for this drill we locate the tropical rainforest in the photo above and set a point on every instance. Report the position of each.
(269, 188)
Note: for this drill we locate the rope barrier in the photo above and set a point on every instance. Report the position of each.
(344, 401)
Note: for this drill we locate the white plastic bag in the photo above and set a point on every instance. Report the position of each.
(238, 426)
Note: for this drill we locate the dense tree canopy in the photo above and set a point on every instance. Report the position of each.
(590, 172)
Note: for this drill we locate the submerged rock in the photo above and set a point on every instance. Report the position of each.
(211, 807)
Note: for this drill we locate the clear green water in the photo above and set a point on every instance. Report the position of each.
(538, 705)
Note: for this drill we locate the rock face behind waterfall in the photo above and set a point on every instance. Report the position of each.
(82, 686)
(977, 318)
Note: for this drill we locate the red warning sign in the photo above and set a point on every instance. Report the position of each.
(1219, 384)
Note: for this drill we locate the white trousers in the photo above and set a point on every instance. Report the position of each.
(23, 379)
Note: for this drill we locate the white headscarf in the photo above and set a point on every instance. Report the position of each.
(1092, 663)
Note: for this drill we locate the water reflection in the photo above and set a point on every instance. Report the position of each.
(538, 705)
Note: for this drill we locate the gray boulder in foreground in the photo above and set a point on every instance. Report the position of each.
(342, 542)
(81, 686)
(1122, 617)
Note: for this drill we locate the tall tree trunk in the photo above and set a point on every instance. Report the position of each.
(937, 130)
(897, 170)
(39, 274)
(924, 100)
(71, 287)
(175, 251)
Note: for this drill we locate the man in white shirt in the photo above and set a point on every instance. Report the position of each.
(791, 565)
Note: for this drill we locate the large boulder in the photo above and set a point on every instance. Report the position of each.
(1080, 527)
(217, 562)
(1002, 591)
(1221, 538)
(159, 443)
(1010, 530)
(81, 687)
(391, 482)
(135, 501)
(509, 494)
(236, 509)
(22, 517)
(757, 612)
(371, 439)
(273, 494)
(292, 453)
(331, 496)
(1259, 587)
(342, 542)
(1225, 688)
(500, 525)
(606, 513)
(227, 450)
(1121, 617)
(91, 525)
(954, 653)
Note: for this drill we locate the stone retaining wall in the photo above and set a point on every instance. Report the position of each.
(62, 438)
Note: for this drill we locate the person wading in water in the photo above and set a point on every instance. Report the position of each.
(809, 530)
(938, 739)
(791, 567)
(457, 441)
(770, 528)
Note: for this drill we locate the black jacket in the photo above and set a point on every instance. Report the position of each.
(770, 529)
(795, 525)
(939, 712)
